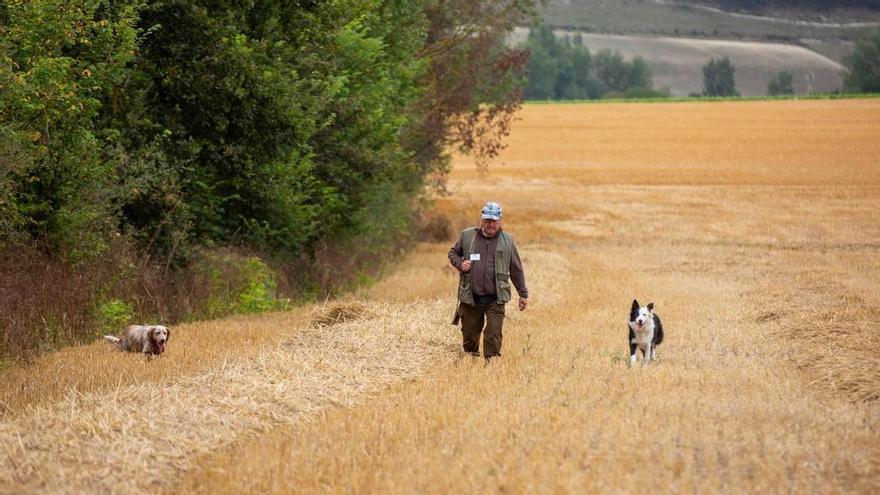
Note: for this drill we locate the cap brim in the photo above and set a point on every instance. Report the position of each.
(491, 217)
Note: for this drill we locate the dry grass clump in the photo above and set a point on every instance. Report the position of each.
(831, 331)
(335, 312)
(842, 355)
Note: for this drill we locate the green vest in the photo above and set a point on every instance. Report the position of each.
(503, 253)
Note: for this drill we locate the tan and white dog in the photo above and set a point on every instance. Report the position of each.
(148, 339)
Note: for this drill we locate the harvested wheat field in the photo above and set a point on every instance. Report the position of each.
(752, 226)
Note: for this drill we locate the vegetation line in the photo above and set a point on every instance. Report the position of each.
(829, 96)
(144, 144)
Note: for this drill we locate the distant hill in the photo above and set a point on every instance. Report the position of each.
(678, 37)
(676, 63)
(706, 19)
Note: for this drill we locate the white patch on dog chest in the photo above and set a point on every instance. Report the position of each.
(644, 335)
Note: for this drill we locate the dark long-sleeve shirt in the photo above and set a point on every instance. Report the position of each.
(483, 271)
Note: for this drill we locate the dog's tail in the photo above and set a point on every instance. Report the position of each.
(111, 338)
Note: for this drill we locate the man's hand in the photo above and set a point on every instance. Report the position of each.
(523, 302)
(466, 266)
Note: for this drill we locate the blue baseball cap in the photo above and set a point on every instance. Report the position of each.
(492, 211)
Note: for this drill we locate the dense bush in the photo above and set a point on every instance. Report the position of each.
(862, 66)
(280, 128)
(59, 64)
(781, 84)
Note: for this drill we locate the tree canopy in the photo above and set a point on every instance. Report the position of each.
(781, 84)
(718, 78)
(862, 66)
(270, 124)
(562, 68)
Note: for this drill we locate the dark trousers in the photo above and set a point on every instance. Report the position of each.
(472, 320)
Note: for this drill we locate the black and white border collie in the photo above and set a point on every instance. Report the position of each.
(645, 332)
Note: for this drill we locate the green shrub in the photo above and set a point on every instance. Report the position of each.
(862, 66)
(237, 284)
(259, 292)
(781, 84)
(637, 93)
(113, 315)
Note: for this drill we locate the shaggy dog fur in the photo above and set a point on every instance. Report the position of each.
(148, 339)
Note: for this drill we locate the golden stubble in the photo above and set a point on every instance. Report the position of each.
(97, 367)
(773, 143)
(751, 226)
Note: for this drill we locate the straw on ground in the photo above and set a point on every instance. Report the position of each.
(751, 226)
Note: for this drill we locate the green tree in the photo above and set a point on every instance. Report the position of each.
(563, 68)
(582, 61)
(270, 124)
(718, 78)
(60, 64)
(616, 75)
(281, 122)
(574, 81)
(611, 71)
(544, 65)
(558, 68)
(639, 75)
(781, 84)
(862, 67)
(542, 72)
(473, 84)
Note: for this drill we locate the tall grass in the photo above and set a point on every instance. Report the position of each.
(49, 304)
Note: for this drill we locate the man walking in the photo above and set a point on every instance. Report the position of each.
(487, 261)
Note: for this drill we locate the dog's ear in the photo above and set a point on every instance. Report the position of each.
(635, 304)
(651, 306)
(167, 334)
